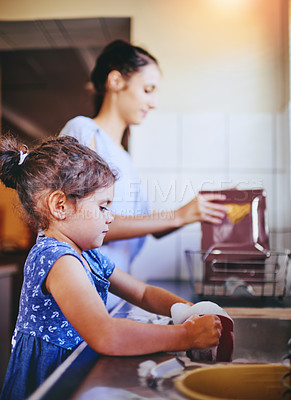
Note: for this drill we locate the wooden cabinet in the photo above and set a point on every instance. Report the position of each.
(11, 275)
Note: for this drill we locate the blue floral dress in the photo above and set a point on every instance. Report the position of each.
(43, 337)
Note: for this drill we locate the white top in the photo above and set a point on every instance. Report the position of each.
(129, 198)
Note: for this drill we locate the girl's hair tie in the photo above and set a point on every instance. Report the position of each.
(22, 157)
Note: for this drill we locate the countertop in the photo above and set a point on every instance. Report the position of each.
(86, 375)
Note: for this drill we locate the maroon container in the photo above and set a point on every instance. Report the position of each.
(239, 246)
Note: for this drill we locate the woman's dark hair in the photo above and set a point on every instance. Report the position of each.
(56, 164)
(117, 56)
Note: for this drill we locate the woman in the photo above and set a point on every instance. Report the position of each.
(126, 79)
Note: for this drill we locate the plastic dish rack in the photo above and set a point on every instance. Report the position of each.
(221, 272)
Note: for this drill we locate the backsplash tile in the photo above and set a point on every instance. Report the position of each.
(153, 144)
(161, 188)
(282, 137)
(158, 260)
(251, 141)
(204, 141)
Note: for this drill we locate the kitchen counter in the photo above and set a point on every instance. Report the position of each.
(86, 375)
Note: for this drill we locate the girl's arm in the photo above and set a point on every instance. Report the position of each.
(201, 208)
(148, 297)
(82, 306)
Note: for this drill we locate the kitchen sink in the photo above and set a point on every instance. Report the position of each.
(261, 339)
(259, 342)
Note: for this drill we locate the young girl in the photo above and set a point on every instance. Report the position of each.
(66, 190)
(126, 79)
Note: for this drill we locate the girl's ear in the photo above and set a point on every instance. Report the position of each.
(115, 81)
(58, 205)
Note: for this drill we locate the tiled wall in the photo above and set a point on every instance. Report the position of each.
(177, 155)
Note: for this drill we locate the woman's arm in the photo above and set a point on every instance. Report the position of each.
(201, 208)
(82, 306)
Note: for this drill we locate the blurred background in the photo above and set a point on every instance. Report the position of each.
(222, 119)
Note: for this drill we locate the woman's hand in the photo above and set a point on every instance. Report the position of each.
(202, 208)
(203, 331)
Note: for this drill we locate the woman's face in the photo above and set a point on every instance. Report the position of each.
(139, 94)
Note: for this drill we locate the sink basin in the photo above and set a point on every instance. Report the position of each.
(256, 370)
(243, 382)
(261, 340)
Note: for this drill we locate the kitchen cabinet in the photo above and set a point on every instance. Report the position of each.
(11, 267)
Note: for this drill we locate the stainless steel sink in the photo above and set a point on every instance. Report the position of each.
(256, 340)
(261, 336)
(261, 339)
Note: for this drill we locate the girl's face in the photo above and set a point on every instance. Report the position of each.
(89, 223)
(139, 94)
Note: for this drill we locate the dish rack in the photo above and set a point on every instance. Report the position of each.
(221, 272)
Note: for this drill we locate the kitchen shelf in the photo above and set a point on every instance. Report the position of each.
(221, 272)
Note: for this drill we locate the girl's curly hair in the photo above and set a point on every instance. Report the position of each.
(60, 163)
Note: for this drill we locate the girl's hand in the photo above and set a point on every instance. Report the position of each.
(204, 331)
(202, 208)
